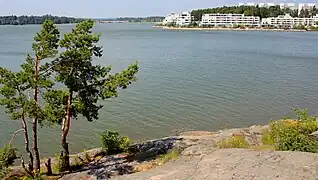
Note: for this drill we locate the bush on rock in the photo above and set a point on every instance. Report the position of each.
(294, 135)
(113, 142)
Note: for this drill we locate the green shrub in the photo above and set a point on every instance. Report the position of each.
(294, 135)
(233, 142)
(7, 156)
(113, 143)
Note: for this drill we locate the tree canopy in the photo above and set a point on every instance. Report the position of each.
(136, 19)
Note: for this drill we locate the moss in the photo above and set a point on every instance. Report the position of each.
(236, 141)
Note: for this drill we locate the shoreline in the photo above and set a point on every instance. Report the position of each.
(230, 29)
(179, 149)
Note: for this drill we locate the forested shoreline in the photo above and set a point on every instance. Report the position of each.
(23, 20)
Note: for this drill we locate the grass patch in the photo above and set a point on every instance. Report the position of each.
(77, 163)
(160, 160)
(264, 148)
(266, 138)
(237, 141)
(170, 156)
(56, 168)
(144, 166)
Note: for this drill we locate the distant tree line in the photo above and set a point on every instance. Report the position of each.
(139, 19)
(22, 20)
(262, 12)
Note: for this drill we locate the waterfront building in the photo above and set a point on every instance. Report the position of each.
(170, 18)
(229, 20)
(182, 19)
(289, 21)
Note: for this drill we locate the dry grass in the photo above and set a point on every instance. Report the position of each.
(170, 156)
(263, 148)
(266, 138)
(145, 166)
(160, 160)
(236, 141)
(196, 133)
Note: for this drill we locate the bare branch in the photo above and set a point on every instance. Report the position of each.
(14, 135)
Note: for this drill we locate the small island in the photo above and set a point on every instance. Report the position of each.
(259, 17)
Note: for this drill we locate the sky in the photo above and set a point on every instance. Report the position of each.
(113, 8)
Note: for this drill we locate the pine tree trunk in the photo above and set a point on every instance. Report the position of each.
(35, 121)
(26, 143)
(65, 129)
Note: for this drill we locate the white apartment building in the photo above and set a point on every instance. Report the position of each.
(170, 18)
(288, 21)
(229, 20)
(183, 19)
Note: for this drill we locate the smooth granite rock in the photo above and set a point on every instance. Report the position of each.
(237, 164)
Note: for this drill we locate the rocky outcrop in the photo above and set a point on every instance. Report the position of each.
(202, 159)
(153, 148)
(105, 167)
(237, 164)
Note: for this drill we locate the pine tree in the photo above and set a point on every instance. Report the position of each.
(16, 102)
(85, 82)
(16, 87)
(45, 47)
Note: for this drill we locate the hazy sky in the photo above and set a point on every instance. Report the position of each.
(112, 8)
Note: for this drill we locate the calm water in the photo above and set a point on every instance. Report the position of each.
(191, 80)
